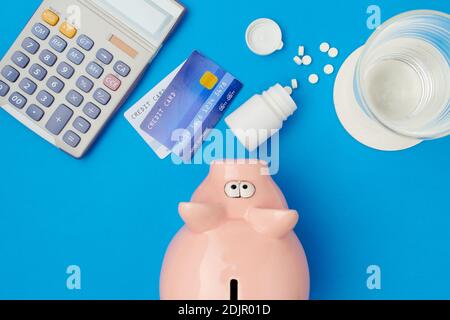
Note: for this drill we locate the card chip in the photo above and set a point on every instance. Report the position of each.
(209, 80)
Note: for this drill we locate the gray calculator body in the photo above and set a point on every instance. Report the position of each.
(65, 80)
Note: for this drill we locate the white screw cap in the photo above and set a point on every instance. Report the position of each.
(264, 37)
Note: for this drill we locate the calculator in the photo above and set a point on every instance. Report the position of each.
(76, 61)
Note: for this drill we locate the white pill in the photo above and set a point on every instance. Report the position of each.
(333, 53)
(313, 79)
(301, 51)
(324, 47)
(298, 60)
(294, 84)
(307, 60)
(288, 90)
(328, 69)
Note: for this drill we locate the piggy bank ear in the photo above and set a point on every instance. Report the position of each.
(272, 222)
(201, 217)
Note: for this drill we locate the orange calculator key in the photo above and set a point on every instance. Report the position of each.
(68, 30)
(50, 17)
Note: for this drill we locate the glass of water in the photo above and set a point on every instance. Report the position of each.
(402, 78)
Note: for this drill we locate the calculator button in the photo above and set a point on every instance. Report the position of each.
(122, 68)
(112, 82)
(50, 17)
(45, 98)
(48, 58)
(35, 112)
(4, 89)
(20, 59)
(40, 31)
(28, 86)
(104, 56)
(74, 98)
(38, 72)
(72, 139)
(30, 45)
(94, 70)
(55, 84)
(75, 56)
(84, 84)
(10, 73)
(85, 42)
(17, 100)
(59, 119)
(102, 97)
(65, 70)
(92, 111)
(68, 30)
(58, 43)
(82, 125)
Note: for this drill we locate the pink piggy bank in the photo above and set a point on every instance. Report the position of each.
(238, 242)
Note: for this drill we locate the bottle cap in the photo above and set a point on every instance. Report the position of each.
(264, 37)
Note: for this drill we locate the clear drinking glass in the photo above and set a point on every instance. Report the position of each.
(402, 77)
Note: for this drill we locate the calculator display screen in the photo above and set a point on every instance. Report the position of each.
(152, 19)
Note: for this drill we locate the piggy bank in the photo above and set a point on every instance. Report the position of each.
(237, 242)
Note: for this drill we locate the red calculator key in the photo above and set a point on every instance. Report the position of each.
(112, 82)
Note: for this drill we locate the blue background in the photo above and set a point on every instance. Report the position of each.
(114, 212)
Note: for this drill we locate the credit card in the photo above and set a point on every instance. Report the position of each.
(194, 101)
(137, 113)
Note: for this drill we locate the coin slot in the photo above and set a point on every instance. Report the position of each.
(234, 290)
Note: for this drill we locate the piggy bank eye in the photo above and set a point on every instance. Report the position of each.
(247, 189)
(232, 189)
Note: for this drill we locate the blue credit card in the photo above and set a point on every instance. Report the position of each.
(194, 101)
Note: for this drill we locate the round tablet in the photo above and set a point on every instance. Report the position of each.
(324, 47)
(307, 60)
(333, 53)
(328, 69)
(313, 79)
(264, 37)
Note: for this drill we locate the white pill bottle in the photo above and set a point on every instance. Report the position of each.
(262, 116)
